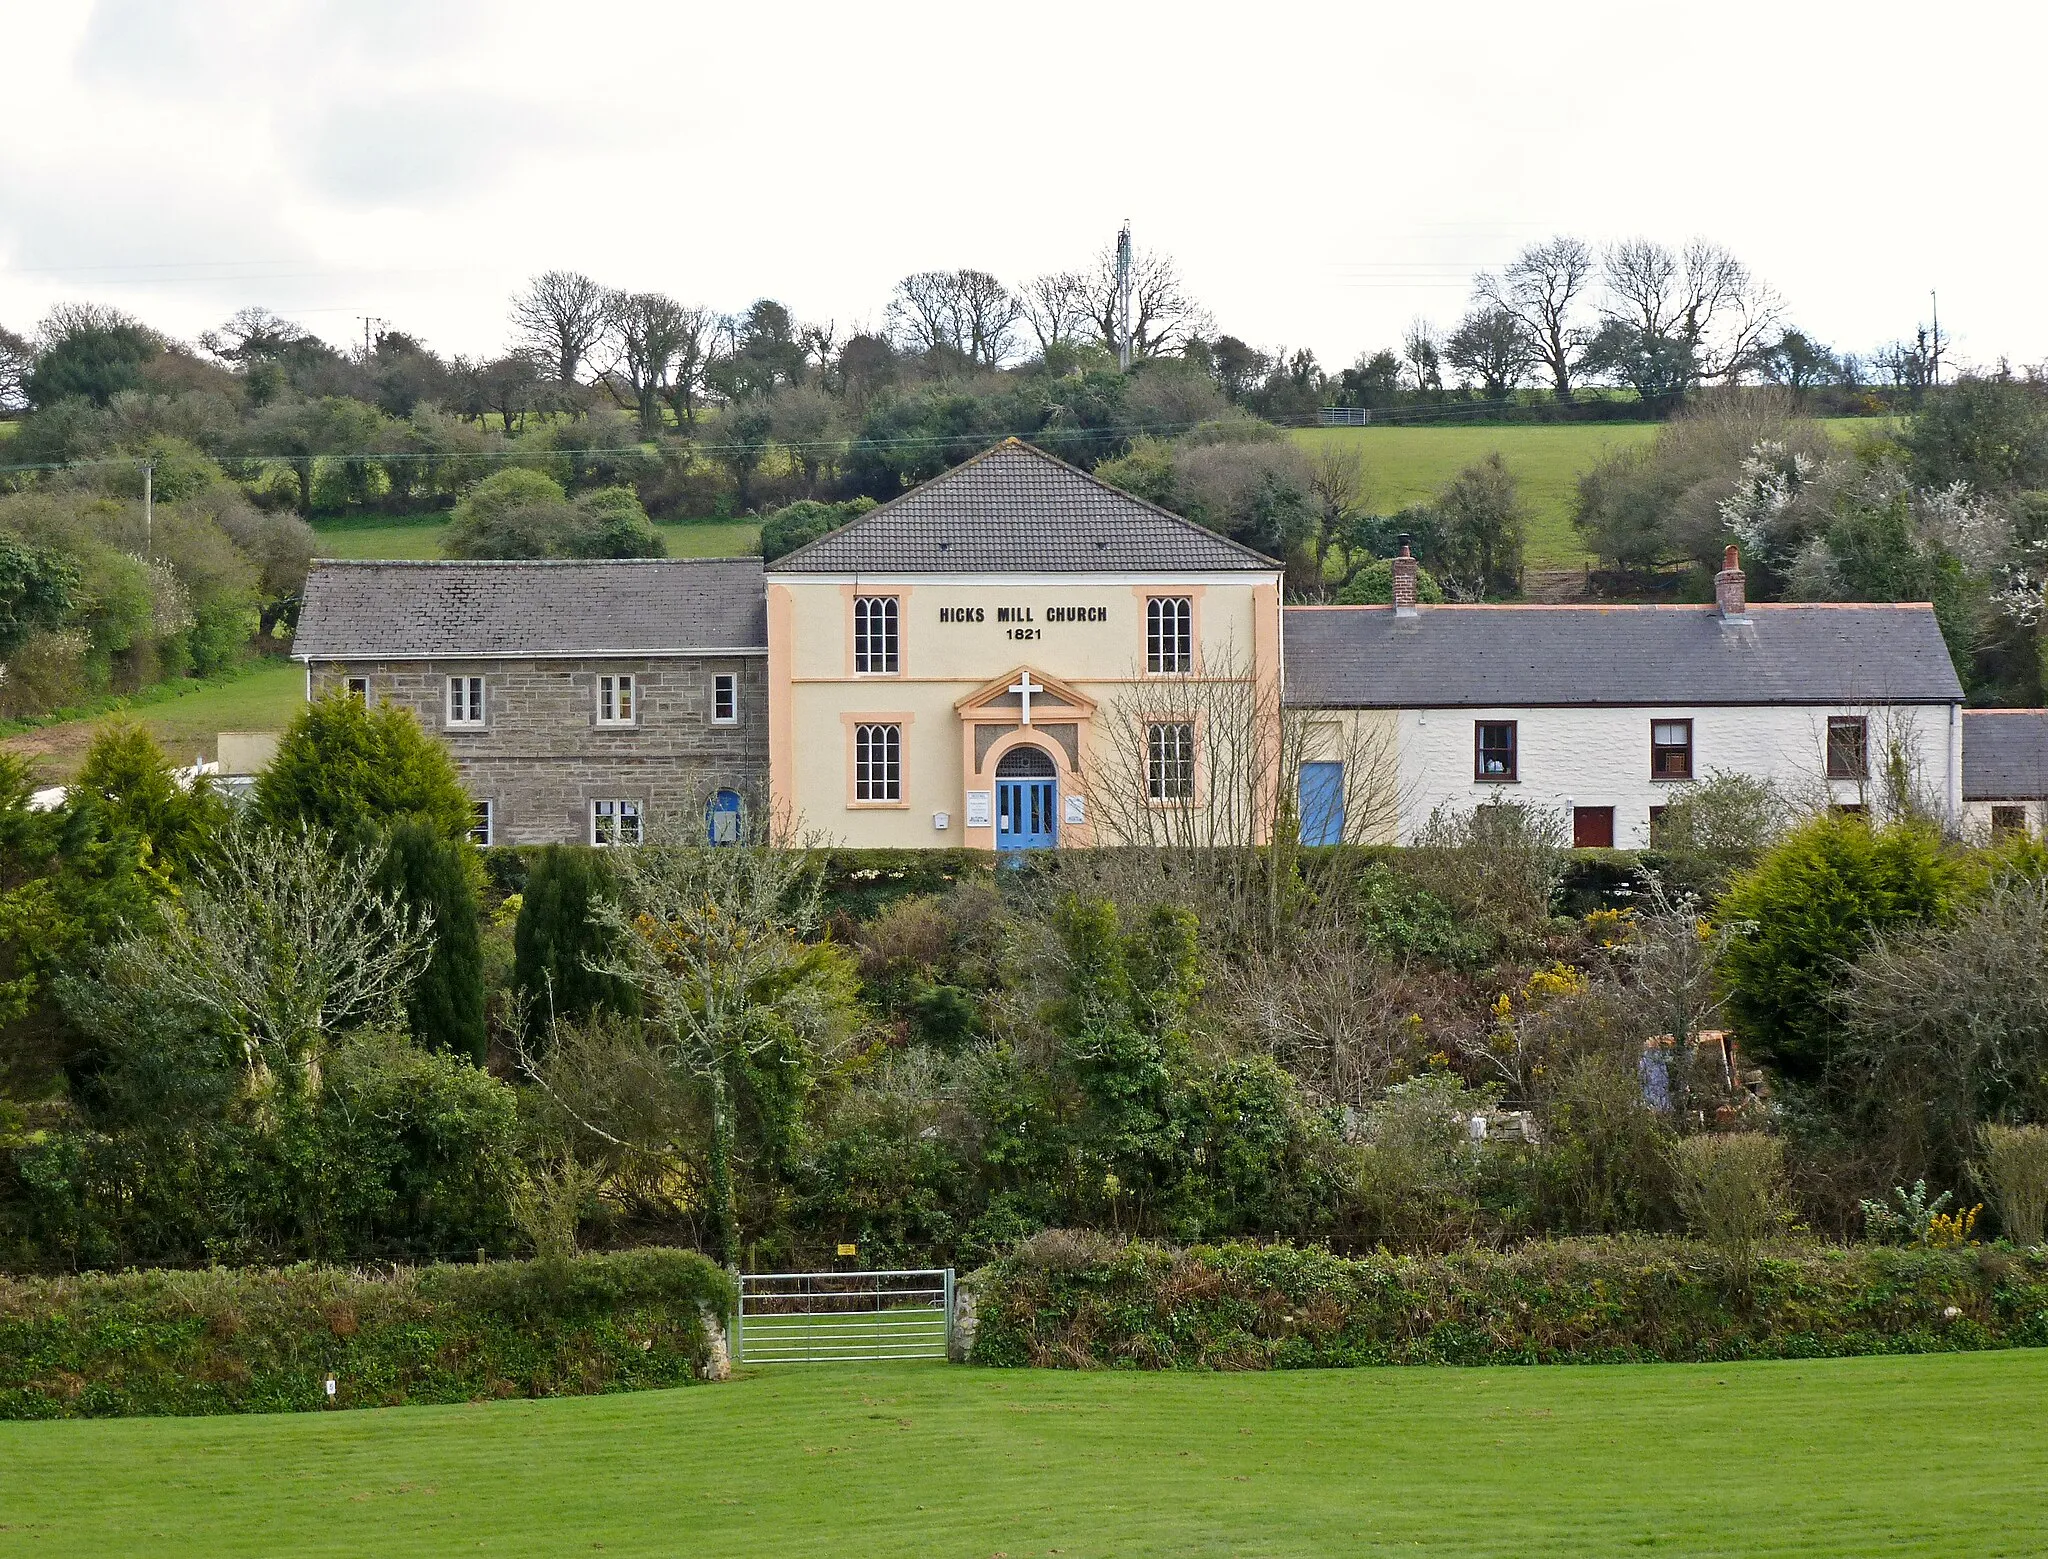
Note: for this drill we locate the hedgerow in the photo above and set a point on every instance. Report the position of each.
(221, 1341)
(1080, 1300)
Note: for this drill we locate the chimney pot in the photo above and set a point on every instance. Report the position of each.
(1730, 594)
(1405, 568)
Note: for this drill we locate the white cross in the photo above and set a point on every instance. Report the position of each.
(1024, 687)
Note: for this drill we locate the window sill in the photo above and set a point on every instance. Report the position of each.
(1495, 779)
(1670, 779)
(878, 806)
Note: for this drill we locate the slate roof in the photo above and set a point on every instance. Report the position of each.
(2005, 754)
(1468, 656)
(1014, 509)
(414, 611)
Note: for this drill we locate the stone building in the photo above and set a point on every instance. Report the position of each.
(1015, 656)
(586, 702)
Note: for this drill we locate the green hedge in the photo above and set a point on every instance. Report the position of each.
(225, 1341)
(1081, 1301)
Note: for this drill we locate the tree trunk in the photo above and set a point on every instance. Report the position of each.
(724, 1204)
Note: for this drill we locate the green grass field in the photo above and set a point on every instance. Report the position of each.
(1406, 465)
(186, 718)
(1933, 1455)
(421, 538)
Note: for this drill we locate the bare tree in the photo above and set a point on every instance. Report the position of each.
(988, 317)
(920, 315)
(968, 312)
(1701, 299)
(1057, 309)
(1490, 345)
(643, 333)
(1540, 289)
(1422, 347)
(252, 335)
(1203, 771)
(562, 315)
(1337, 478)
(284, 942)
(1164, 316)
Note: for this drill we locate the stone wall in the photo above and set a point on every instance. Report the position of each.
(540, 757)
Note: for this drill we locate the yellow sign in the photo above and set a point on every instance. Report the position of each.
(849, 1250)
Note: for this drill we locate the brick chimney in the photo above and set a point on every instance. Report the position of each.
(1404, 582)
(1729, 594)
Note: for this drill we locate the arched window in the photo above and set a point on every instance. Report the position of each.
(1026, 762)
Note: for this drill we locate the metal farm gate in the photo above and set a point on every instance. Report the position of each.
(842, 1317)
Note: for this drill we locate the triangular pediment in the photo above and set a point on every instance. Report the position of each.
(1050, 699)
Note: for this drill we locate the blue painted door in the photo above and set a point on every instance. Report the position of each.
(1322, 803)
(1025, 818)
(722, 818)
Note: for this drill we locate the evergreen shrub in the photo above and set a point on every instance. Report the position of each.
(1084, 1300)
(221, 1341)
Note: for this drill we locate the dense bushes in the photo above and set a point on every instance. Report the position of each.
(1081, 1300)
(1809, 908)
(267, 1341)
(396, 1152)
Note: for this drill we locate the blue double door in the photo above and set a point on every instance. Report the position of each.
(1027, 800)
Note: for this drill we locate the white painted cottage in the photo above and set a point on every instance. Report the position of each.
(1600, 711)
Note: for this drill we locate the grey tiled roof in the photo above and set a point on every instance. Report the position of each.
(1017, 510)
(2005, 754)
(410, 611)
(1452, 656)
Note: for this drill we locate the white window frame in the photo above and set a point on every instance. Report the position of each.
(618, 699)
(484, 831)
(726, 683)
(615, 822)
(357, 687)
(878, 762)
(1169, 634)
(466, 702)
(877, 636)
(1170, 761)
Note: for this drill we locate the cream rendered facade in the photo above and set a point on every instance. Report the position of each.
(965, 645)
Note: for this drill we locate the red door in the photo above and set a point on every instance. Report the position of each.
(1592, 828)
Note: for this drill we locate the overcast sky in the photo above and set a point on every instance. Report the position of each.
(1323, 174)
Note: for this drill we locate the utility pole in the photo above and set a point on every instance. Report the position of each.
(369, 320)
(1934, 301)
(1123, 296)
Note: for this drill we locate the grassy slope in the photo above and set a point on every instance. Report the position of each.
(1407, 465)
(421, 538)
(188, 723)
(1931, 1455)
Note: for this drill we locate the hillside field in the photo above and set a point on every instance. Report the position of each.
(420, 537)
(185, 717)
(1406, 465)
(1933, 1455)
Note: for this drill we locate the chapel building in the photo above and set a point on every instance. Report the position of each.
(1017, 656)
